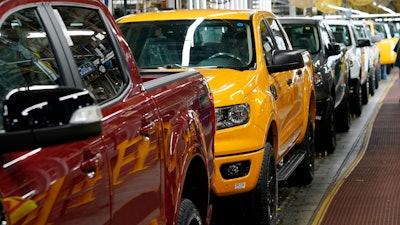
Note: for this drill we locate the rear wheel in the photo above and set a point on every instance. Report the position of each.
(264, 199)
(188, 213)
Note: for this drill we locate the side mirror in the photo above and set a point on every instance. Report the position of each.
(363, 42)
(376, 38)
(333, 49)
(284, 60)
(40, 116)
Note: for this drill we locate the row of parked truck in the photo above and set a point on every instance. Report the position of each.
(166, 117)
(347, 59)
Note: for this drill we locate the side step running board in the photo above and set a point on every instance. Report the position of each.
(288, 168)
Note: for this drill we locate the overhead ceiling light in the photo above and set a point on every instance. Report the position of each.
(347, 9)
(383, 8)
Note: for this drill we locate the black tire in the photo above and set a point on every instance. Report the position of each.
(365, 92)
(342, 114)
(188, 213)
(371, 84)
(377, 75)
(304, 173)
(326, 130)
(355, 97)
(264, 198)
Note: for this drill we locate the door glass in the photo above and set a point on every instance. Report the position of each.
(26, 57)
(277, 34)
(268, 45)
(92, 51)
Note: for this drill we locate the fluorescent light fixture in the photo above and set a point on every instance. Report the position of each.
(346, 9)
(70, 33)
(383, 8)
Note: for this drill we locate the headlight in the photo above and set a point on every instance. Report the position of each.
(230, 116)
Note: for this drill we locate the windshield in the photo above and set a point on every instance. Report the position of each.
(303, 37)
(191, 43)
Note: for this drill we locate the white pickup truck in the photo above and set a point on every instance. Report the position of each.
(344, 32)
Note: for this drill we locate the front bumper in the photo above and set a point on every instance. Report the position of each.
(225, 187)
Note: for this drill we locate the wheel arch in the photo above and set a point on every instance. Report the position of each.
(272, 138)
(310, 111)
(188, 168)
(196, 186)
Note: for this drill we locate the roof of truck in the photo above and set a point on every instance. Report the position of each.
(193, 14)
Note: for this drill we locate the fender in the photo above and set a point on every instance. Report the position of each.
(187, 143)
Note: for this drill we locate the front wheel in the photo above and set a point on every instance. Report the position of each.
(342, 113)
(304, 173)
(326, 135)
(264, 199)
(372, 84)
(365, 92)
(377, 75)
(356, 97)
(188, 213)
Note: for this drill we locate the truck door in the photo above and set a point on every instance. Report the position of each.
(131, 128)
(287, 86)
(65, 184)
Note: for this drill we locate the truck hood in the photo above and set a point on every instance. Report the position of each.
(229, 86)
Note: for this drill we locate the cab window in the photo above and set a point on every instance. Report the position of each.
(277, 34)
(325, 37)
(267, 43)
(92, 50)
(341, 34)
(26, 57)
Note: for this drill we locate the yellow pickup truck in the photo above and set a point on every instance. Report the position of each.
(263, 92)
(386, 45)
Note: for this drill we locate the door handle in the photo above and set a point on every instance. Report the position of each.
(274, 92)
(147, 129)
(91, 163)
(290, 82)
(299, 72)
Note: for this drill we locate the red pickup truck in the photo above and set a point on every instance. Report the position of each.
(84, 138)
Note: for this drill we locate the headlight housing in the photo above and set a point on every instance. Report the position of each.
(230, 116)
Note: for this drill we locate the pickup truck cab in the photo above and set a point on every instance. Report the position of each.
(389, 37)
(389, 40)
(344, 32)
(263, 92)
(375, 40)
(362, 30)
(83, 139)
(331, 67)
